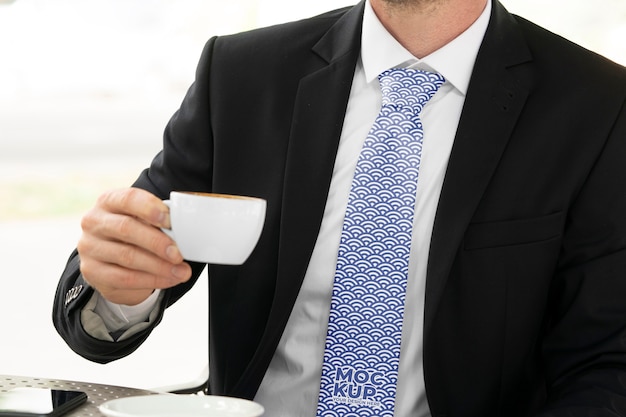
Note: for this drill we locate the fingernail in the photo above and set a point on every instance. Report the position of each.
(161, 219)
(173, 253)
(180, 271)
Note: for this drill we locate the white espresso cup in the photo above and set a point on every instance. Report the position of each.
(215, 228)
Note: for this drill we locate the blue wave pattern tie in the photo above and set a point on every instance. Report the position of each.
(362, 354)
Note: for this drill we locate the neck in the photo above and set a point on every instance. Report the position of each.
(423, 26)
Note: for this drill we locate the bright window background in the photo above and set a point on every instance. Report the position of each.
(85, 91)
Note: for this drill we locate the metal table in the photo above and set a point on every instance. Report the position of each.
(96, 393)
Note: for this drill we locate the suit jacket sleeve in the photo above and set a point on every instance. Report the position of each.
(174, 168)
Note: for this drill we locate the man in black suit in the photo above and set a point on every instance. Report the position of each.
(516, 302)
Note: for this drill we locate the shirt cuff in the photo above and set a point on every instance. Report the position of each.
(120, 317)
(101, 318)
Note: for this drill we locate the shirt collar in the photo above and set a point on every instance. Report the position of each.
(455, 61)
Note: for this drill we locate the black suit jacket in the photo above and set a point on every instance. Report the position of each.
(526, 284)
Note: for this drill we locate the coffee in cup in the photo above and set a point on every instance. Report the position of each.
(215, 228)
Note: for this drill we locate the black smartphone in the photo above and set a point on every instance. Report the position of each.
(39, 402)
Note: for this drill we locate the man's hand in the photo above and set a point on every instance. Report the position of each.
(123, 253)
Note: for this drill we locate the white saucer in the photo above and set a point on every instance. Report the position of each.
(171, 405)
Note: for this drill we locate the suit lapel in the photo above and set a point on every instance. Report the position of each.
(319, 111)
(495, 98)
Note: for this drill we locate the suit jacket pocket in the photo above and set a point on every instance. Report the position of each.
(513, 232)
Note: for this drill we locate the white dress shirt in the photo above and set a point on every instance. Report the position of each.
(291, 385)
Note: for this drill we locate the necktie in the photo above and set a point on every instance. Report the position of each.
(362, 351)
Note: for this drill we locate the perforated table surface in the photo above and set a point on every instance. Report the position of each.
(96, 393)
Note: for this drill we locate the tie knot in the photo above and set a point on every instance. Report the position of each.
(409, 87)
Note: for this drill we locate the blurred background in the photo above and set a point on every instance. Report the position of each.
(86, 88)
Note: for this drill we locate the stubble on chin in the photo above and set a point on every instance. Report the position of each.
(412, 4)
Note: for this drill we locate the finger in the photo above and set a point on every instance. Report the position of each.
(102, 225)
(116, 294)
(137, 203)
(132, 258)
(108, 278)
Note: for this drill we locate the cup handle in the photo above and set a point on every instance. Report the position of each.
(168, 232)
